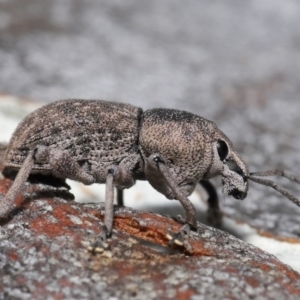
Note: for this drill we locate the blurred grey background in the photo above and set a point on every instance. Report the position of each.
(234, 62)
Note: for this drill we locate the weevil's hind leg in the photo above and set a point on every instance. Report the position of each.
(157, 162)
(7, 204)
(64, 166)
(214, 214)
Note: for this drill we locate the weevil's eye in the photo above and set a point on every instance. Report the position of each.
(222, 149)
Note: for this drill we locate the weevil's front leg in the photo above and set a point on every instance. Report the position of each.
(157, 161)
(214, 214)
(7, 204)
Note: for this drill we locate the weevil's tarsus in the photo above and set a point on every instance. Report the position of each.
(99, 245)
(274, 185)
(179, 237)
(7, 204)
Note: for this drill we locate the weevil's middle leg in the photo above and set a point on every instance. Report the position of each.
(109, 202)
(98, 245)
(118, 176)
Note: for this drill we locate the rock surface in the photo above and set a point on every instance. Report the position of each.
(44, 256)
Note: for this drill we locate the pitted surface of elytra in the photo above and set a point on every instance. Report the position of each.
(97, 131)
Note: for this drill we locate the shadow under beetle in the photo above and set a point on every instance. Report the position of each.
(93, 141)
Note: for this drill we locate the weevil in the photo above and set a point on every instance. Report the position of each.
(95, 141)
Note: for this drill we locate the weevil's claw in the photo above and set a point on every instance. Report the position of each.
(175, 238)
(99, 245)
(179, 238)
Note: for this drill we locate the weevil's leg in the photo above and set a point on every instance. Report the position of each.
(120, 197)
(7, 205)
(109, 202)
(158, 162)
(64, 166)
(98, 245)
(123, 175)
(118, 176)
(214, 213)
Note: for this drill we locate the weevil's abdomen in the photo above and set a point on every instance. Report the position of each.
(90, 130)
(183, 138)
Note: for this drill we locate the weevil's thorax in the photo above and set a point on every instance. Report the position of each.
(183, 139)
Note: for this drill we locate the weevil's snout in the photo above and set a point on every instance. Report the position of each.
(227, 163)
(234, 171)
(234, 185)
(234, 177)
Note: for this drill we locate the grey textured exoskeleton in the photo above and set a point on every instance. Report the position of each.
(94, 141)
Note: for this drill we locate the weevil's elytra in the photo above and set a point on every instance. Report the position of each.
(90, 131)
(93, 141)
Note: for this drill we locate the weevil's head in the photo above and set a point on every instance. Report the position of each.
(228, 164)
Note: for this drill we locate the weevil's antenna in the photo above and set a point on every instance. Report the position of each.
(273, 184)
(276, 172)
